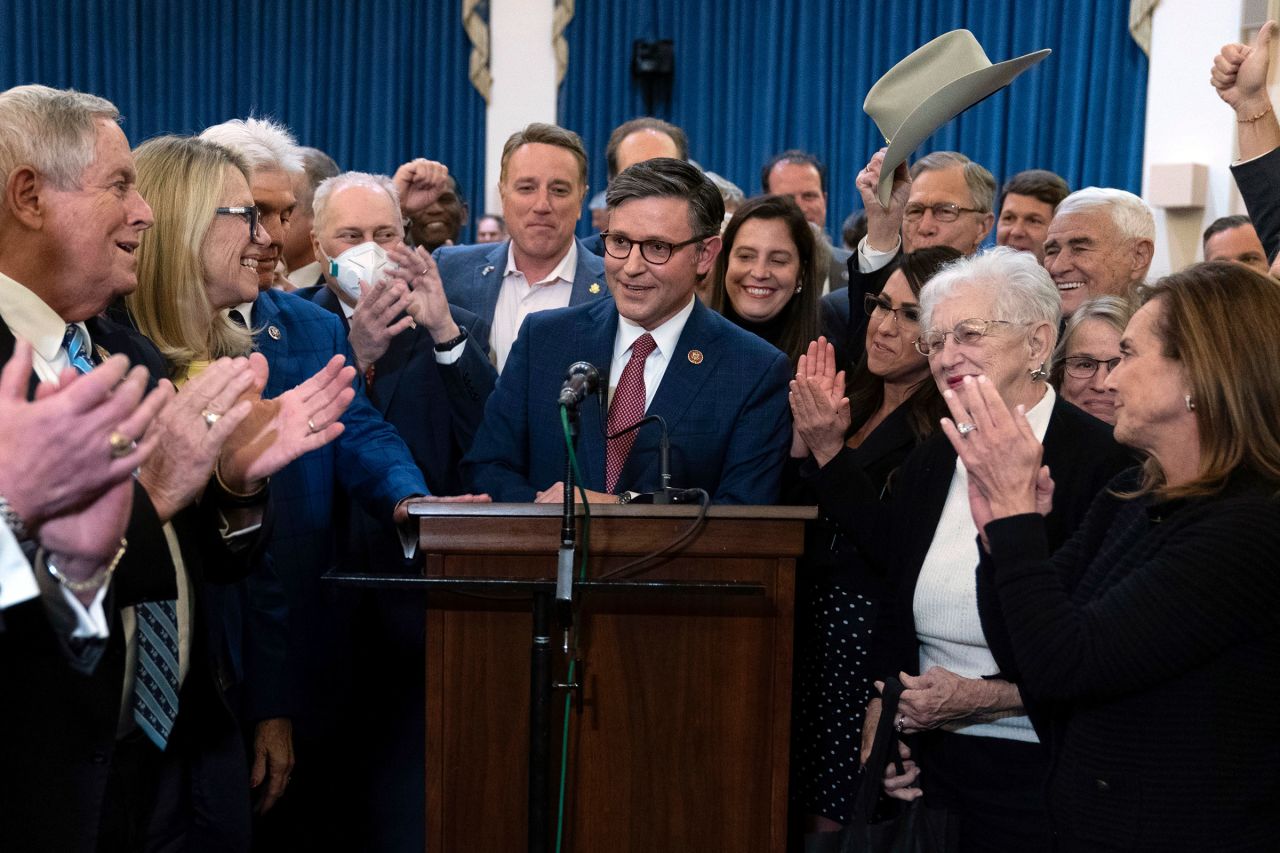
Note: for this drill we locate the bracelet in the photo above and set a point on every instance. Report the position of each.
(445, 346)
(92, 583)
(230, 497)
(1252, 119)
(13, 521)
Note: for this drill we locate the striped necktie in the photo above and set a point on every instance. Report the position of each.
(155, 691)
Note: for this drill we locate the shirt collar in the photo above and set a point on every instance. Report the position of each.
(665, 336)
(30, 318)
(563, 272)
(1039, 414)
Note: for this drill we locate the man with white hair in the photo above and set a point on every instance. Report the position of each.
(422, 351)
(293, 700)
(1100, 243)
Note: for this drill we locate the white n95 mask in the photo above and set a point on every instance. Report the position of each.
(365, 262)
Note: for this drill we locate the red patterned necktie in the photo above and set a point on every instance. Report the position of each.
(627, 408)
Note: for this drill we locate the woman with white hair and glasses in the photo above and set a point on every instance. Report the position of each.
(972, 748)
(1151, 637)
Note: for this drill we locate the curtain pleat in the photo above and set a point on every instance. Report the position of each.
(372, 83)
(756, 76)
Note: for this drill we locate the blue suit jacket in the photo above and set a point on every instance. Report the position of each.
(472, 276)
(728, 414)
(368, 463)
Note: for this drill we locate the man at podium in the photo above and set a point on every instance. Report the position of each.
(721, 391)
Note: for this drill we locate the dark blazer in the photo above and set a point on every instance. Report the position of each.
(435, 407)
(61, 721)
(839, 271)
(368, 463)
(472, 276)
(1259, 183)
(897, 534)
(1153, 637)
(728, 415)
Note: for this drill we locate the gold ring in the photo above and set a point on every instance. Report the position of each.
(210, 418)
(121, 444)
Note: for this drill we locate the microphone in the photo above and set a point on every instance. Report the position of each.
(580, 380)
(665, 494)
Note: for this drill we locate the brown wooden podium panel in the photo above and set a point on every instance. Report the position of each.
(682, 739)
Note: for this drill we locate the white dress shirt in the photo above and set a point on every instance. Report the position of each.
(305, 276)
(29, 318)
(518, 299)
(870, 260)
(946, 596)
(665, 336)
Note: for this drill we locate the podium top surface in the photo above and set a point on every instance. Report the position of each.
(425, 508)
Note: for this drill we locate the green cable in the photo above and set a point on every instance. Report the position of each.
(582, 574)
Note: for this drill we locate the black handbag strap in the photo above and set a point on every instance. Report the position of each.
(884, 748)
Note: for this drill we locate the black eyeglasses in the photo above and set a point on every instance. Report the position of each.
(249, 214)
(653, 251)
(967, 332)
(943, 212)
(872, 303)
(1085, 366)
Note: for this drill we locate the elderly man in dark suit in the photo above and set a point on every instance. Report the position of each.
(543, 182)
(77, 773)
(721, 391)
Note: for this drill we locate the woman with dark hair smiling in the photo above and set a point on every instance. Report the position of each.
(892, 406)
(1152, 637)
(767, 278)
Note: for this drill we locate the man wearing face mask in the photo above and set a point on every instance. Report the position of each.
(422, 351)
(429, 374)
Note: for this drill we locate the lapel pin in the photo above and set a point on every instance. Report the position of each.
(274, 332)
(487, 270)
(695, 356)
(594, 288)
(103, 355)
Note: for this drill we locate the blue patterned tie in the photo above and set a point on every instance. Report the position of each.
(155, 690)
(77, 346)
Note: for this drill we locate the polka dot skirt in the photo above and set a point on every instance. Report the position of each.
(832, 687)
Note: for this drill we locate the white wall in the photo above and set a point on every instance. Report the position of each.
(1187, 122)
(523, 66)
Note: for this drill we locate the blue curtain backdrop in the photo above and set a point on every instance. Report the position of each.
(754, 77)
(372, 83)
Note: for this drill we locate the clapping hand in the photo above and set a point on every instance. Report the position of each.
(426, 302)
(819, 409)
(1000, 452)
(277, 431)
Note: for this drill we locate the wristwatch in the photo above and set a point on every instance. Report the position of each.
(453, 342)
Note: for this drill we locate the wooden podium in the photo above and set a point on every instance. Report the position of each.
(680, 741)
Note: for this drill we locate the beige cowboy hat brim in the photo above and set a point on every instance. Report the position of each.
(941, 107)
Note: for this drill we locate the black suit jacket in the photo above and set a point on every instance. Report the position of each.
(60, 722)
(896, 534)
(1259, 183)
(435, 407)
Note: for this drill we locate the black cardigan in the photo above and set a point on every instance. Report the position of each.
(1154, 635)
(896, 534)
